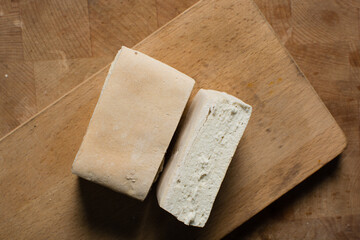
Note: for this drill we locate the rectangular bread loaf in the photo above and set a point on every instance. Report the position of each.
(135, 118)
(202, 153)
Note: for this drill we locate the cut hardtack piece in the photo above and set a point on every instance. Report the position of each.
(134, 120)
(202, 153)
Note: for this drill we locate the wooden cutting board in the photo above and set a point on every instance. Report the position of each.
(225, 45)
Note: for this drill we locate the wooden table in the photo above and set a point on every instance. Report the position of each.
(323, 37)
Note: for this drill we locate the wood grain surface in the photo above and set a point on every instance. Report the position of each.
(323, 37)
(286, 141)
(49, 47)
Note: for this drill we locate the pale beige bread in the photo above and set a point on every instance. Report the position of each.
(286, 141)
(206, 144)
(134, 120)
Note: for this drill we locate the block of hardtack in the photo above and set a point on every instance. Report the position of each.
(202, 153)
(134, 120)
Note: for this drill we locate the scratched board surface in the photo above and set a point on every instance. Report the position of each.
(224, 45)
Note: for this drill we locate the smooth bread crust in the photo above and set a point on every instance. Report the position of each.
(134, 120)
(206, 144)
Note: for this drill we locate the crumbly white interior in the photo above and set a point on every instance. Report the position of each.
(202, 160)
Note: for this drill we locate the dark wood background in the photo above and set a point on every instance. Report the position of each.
(39, 63)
